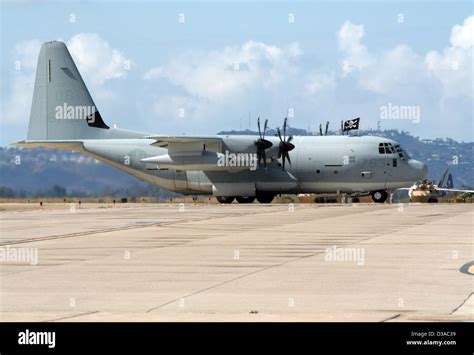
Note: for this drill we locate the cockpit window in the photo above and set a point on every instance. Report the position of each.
(389, 148)
(399, 151)
(386, 148)
(381, 149)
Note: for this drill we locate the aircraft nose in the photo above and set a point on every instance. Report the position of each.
(420, 169)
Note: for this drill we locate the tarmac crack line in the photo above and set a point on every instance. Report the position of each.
(390, 318)
(232, 280)
(73, 316)
(462, 303)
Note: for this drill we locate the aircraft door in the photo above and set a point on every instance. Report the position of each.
(387, 169)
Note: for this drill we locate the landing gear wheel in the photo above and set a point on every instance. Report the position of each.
(379, 196)
(225, 199)
(432, 200)
(265, 198)
(245, 199)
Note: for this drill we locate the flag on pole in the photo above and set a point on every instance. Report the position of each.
(351, 125)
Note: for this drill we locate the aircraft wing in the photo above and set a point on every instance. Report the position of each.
(455, 190)
(73, 144)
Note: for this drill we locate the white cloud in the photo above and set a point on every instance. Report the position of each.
(453, 66)
(96, 60)
(220, 84)
(153, 73)
(319, 83)
(440, 82)
(350, 42)
(402, 72)
(463, 35)
(229, 71)
(395, 72)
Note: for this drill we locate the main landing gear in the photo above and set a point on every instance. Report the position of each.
(261, 197)
(379, 196)
(264, 197)
(245, 199)
(225, 199)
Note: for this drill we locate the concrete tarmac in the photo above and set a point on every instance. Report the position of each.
(277, 262)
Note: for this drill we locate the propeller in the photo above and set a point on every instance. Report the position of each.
(285, 145)
(327, 126)
(262, 144)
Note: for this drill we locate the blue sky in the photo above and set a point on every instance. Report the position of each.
(315, 61)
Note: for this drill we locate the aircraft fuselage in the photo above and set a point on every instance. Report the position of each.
(319, 164)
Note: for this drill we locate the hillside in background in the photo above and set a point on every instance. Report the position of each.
(47, 172)
(57, 173)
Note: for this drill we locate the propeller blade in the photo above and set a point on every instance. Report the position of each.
(259, 131)
(288, 157)
(283, 158)
(285, 146)
(320, 129)
(327, 126)
(262, 144)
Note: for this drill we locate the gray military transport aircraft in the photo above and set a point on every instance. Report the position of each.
(245, 168)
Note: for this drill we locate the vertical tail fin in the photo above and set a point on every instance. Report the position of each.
(450, 183)
(62, 106)
(441, 181)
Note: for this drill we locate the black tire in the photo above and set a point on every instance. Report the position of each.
(245, 199)
(355, 200)
(225, 199)
(379, 196)
(432, 200)
(265, 197)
